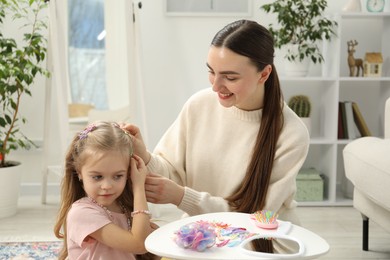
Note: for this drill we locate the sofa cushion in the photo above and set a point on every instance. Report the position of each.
(367, 166)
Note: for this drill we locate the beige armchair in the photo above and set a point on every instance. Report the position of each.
(367, 166)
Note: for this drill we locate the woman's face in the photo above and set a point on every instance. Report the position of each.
(235, 79)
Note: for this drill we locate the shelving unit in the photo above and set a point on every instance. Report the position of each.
(331, 84)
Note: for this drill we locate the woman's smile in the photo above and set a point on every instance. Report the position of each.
(224, 95)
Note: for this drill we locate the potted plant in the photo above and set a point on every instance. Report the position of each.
(302, 26)
(21, 60)
(301, 105)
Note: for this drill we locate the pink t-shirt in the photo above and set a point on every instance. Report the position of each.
(84, 218)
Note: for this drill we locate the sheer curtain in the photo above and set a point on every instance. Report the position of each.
(56, 114)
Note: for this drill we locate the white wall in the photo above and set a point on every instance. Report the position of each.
(174, 51)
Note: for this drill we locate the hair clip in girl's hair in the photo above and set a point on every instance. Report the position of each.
(83, 134)
(121, 128)
(126, 133)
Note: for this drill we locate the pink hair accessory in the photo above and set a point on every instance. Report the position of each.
(83, 134)
(201, 235)
(198, 236)
(265, 219)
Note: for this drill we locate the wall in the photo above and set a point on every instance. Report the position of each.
(174, 52)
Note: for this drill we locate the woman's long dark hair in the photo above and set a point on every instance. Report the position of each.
(252, 40)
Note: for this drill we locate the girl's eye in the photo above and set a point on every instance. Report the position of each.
(97, 177)
(119, 176)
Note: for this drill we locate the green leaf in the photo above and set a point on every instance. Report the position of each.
(19, 65)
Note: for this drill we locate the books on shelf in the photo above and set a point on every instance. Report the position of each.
(352, 131)
(351, 123)
(359, 120)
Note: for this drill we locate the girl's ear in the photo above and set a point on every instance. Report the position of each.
(265, 74)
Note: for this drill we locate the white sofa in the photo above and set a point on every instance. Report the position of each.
(367, 166)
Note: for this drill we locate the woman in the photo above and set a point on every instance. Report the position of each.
(237, 146)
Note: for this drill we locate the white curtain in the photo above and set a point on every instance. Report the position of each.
(123, 67)
(56, 112)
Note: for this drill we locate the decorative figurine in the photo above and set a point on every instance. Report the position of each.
(373, 64)
(352, 62)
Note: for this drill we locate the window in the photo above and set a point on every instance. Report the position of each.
(87, 53)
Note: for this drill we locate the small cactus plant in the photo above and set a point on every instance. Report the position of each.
(301, 105)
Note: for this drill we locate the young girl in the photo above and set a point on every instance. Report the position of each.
(103, 213)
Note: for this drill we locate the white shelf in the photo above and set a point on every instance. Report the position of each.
(334, 85)
(379, 79)
(308, 79)
(363, 15)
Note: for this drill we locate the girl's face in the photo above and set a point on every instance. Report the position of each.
(236, 80)
(104, 176)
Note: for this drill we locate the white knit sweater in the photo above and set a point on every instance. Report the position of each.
(208, 148)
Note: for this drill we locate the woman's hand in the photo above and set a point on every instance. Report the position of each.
(161, 190)
(138, 143)
(138, 171)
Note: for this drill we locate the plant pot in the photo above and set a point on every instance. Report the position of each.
(307, 122)
(296, 68)
(9, 189)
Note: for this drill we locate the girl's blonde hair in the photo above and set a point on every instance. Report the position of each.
(98, 137)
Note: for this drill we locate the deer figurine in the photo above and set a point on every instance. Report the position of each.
(352, 62)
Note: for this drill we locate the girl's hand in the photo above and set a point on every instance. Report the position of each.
(138, 143)
(138, 170)
(161, 190)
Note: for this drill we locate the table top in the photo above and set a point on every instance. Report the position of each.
(161, 241)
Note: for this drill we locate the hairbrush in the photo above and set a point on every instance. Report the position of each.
(265, 219)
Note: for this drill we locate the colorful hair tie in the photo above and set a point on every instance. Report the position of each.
(201, 235)
(83, 134)
(197, 236)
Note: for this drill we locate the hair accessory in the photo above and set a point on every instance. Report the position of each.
(83, 134)
(126, 133)
(124, 130)
(201, 235)
(196, 235)
(265, 219)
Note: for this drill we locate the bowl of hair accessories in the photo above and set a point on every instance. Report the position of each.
(265, 219)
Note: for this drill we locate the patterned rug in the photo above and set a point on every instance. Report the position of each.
(29, 250)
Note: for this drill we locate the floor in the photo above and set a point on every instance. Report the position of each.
(340, 226)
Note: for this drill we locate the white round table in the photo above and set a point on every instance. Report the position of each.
(161, 241)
